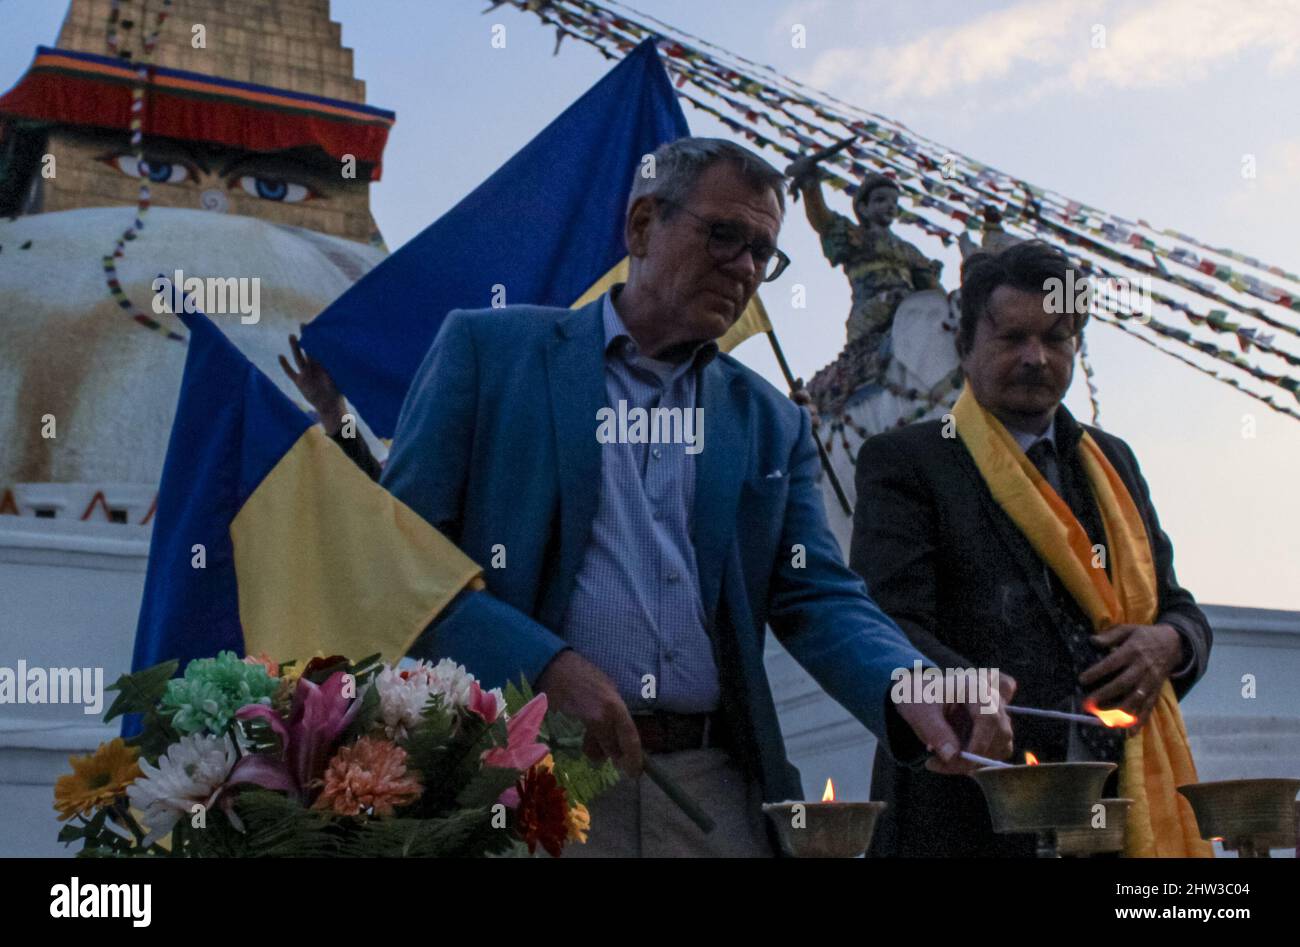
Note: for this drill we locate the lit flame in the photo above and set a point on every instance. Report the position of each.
(1111, 718)
(1030, 759)
(829, 794)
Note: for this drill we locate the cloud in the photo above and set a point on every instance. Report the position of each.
(941, 61)
(1049, 46)
(1179, 41)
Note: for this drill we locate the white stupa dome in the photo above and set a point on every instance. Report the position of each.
(71, 351)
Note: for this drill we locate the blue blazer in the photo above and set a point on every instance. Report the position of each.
(496, 447)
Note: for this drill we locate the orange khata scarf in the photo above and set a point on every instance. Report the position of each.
(1158, 759)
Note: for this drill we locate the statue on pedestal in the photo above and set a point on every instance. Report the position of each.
(900, 361)
(883, 269)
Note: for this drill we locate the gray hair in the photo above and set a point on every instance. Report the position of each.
(677, 166)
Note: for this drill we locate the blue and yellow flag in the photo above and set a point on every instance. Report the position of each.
(269, 539)
(543, 229)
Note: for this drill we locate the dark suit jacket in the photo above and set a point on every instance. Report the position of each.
(945, 562)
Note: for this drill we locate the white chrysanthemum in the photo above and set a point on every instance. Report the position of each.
(402, 696)
(452, 681)
(404, 692)
(192, 771)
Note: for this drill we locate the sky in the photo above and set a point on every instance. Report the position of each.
(1153, 123)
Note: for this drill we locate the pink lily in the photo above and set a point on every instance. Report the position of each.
(482, 702)
(522, 751)
(319, 714)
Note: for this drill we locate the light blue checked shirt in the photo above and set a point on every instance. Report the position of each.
(636, 607)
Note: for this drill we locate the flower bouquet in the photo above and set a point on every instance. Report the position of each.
(245, 758)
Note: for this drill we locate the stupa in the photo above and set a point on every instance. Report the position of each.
(257, 152)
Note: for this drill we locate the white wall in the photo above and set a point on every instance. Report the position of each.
(69, 597)
(70, 594)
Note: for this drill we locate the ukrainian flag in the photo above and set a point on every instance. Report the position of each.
(546, 228)
(269, 539)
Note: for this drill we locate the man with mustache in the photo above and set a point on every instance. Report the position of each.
(1009, 535)
(633, 582)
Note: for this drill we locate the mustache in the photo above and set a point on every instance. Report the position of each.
(1031, 377)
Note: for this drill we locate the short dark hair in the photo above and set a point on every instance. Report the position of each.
(1025, 266)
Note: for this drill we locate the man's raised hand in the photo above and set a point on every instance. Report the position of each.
(316, 386)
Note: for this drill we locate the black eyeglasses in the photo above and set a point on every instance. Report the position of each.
(727, 242)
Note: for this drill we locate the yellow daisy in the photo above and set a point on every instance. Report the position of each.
(96, 780)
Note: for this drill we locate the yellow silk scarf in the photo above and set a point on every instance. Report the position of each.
(1158, 759)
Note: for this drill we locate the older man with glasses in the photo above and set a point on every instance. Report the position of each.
(632, 578)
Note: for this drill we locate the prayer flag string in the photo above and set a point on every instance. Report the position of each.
(139, 105)
(939, 180)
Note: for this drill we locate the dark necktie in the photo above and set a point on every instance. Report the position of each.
(1043, 456)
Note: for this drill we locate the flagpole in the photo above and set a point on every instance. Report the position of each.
(821, 448)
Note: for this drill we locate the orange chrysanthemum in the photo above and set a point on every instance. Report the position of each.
(96, 780)
(370, 776)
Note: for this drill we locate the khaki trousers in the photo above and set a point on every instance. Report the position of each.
(636, 820)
